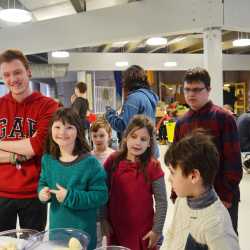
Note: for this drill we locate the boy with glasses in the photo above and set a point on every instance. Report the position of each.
(222, 127)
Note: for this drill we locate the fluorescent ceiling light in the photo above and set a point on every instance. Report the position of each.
(155, 41)
(170, 64)
(121, 64)
(15, 15)
(60, 54)
(241, 42)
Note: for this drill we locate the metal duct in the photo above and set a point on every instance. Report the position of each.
(48, 70)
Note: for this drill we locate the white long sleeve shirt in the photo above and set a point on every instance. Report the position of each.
(208, 228)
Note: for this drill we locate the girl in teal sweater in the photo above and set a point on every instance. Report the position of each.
(71, 179)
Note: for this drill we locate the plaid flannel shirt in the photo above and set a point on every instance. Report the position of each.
(222, 127)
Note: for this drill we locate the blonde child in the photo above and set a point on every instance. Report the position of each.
(101, 136)
(71, 179)
(200, 219)
(135, 179)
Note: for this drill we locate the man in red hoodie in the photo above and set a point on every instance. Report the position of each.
(24, 118)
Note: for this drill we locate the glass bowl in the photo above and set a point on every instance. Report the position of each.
(58, 238)
(16, 238)
(112, 248)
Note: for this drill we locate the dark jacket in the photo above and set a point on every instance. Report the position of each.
(81, 106)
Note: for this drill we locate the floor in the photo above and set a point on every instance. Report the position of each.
(244, 207)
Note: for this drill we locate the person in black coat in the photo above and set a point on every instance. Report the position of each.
(81, 104)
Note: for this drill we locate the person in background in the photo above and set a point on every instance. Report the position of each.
(200, 220)
(101, 135)
(161, 125)
(81, 105)
(222, 127)
(243, 124)
(135, 180)
(72, 180)
(139, 99)
(229, 95)
(24, 118)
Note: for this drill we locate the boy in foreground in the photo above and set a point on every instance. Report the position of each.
(200, 220)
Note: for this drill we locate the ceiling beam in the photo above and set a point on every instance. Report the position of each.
(41, 58)
(244, 50)
(121, 22)
(198, 47)
(229, 36)
(132, 46)
(237, 50)
(79, 5)
(107, 47)
(149, 61)
(183, 44)
(155, 49)
(100, 48)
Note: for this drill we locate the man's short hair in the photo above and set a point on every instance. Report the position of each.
(197, 75)
(14, 54)
(81, 86)
(195, 151)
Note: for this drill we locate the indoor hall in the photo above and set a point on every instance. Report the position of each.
(98, 40)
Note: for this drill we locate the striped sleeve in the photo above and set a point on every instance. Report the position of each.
(160, 196)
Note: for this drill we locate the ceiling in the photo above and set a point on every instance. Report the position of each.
(183, 43)
(191, 43)
(44, 10)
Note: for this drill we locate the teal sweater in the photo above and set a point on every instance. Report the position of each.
(84, 179)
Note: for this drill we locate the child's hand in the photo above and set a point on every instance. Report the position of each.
(152, 238)
(106, 228)
(44, 195)
(60, 193)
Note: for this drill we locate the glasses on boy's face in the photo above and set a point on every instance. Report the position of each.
(193, 90)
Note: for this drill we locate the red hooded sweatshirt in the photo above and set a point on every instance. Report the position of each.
(19, 121)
